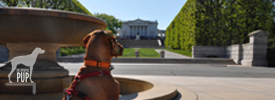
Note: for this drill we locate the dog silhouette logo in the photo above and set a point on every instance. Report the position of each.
(24, 74)
(27, 60)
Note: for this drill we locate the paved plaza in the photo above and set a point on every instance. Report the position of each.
(203, 81)
(208, 82)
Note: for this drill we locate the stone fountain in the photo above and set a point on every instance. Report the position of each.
(24, 29)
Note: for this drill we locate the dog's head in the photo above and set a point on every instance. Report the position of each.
(39, 50)
(102, 43)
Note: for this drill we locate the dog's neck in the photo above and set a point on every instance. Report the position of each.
(98, 51)
(35, 53)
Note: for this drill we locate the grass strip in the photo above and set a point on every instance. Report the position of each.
(182, 52)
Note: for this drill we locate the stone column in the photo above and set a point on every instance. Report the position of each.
(130, 31)
(255, 52)
(138, 32)
(134, 31)
(146, 31)
(143, 30)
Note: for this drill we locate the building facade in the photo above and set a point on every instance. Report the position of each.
(145, 29)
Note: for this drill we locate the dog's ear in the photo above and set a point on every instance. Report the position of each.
(109, 34)
(86, 39)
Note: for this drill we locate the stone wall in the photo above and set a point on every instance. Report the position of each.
(4, 54)
(234, 52)
(253, 53)
(208, 51)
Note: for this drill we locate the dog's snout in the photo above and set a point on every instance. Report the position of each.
(120, 51)
(43, 51)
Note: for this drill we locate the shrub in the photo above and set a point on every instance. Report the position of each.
(65, 51)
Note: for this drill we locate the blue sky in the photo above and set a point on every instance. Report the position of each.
(163, 11)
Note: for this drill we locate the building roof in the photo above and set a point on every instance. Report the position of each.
(130, 21)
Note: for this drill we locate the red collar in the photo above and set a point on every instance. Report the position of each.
(96, 63)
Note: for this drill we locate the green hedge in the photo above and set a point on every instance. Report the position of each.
(65, 51)
(218, 22)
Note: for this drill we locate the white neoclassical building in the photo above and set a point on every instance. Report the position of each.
(145, 29)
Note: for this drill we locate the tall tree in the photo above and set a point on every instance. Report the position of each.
(113, 23)
(219, 22)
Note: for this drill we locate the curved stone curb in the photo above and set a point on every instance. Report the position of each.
(186, 94)
(160, 91)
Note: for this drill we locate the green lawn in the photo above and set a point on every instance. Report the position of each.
(128, 52)
(144, 52)
(183, 52)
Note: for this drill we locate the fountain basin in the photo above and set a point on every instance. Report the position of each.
(24, 29)
(33, 25)
(130, 86)
(136, 89)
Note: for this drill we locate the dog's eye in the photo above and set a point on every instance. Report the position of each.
(113, 41)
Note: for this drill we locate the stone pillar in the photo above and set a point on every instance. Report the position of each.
(144, 27)
(146, 31)
(256, 50)
(130, 31)
(137, 53)
(162, 53)
(143, 30)
(135, 28)
(138, 30)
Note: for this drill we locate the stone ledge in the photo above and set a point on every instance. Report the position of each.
(159, 60)
(159, 91)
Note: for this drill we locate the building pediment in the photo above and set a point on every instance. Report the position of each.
(139, 21)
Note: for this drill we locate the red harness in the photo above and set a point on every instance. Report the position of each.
(78, 78)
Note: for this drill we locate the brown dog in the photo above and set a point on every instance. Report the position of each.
(101, 47)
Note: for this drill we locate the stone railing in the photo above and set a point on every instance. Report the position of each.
(249, 54)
